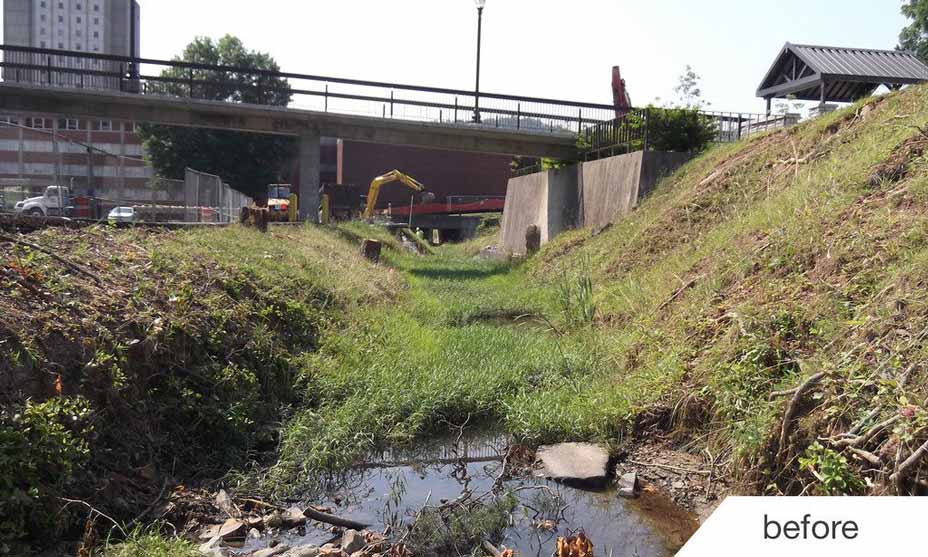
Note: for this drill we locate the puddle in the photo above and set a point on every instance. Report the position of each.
(400, 482)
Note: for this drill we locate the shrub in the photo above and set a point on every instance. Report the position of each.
(42, 445)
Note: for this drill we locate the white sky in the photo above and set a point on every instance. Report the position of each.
(547, 48)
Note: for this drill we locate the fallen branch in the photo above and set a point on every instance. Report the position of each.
(333, 520)
(867, 455)
(668, 467)
(793, 408)
(862, 440)
(68, 263)
(689, 284)
(914, 459)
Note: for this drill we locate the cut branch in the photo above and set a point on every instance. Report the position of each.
(68, 263)
(793, 408)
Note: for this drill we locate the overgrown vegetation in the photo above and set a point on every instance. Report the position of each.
(767, 303)
(171, 355)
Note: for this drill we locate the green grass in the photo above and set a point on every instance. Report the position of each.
(148, 543)
(742, 274)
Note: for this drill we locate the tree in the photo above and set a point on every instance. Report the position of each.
(914, 37)
(688, 90)
(248, 162)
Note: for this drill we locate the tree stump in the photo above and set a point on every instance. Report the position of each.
(532, 239)
(370, 249)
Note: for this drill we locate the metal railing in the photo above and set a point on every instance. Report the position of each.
(599, 131)
(70, 69)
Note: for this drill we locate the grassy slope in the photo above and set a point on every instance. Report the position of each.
(178, 363)
(761, 264)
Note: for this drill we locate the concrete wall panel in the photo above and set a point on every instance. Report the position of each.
(526, 204)
(592, 194)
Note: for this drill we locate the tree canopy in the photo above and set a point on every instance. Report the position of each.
(914, 37)
(248, 162)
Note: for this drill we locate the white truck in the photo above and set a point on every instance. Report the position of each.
(54, 202)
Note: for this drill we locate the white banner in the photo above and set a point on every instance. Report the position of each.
(813, 526)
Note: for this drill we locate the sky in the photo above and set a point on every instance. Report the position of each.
(544, 48)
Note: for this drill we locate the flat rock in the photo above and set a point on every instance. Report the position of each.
(582, 465)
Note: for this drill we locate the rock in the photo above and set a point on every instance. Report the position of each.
(254, 533)
(582, 465)
(359, 554)
(303, 551)
(352, 541)
(272, 551)
(224, 503)
(678, 484)
(292, 517)
(532, 239)
(273, 520)
(212, 547)
(628, 485)
(232, 529)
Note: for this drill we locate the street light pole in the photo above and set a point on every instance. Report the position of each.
(480, 6)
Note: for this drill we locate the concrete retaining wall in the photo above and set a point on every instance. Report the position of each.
(612, 187)
(546, 199)
(591, 194)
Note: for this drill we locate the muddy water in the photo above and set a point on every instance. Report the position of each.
(399, 483)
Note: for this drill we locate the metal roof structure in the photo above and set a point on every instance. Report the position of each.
(831, 74)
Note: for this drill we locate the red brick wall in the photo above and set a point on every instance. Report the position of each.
(443, 173)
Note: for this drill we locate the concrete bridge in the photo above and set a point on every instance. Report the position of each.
(86, 85)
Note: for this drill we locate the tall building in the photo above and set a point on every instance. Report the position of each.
(40, 149)
(93, 26)
(103, 26)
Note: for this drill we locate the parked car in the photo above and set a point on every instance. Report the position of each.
(122, 214)
(54, 201)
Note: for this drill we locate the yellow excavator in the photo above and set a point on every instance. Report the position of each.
(380, 181)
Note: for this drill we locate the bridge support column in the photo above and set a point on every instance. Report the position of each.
(309, 177)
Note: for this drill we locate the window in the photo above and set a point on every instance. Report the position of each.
(129, 127)
(60, 45)
(77, 32)
(105, 125)
(78, 7)
(77, 46)
(96, 21)
(69, 124)
(44, 44)
(9, 120)
(96, 34)
(43, 30)
(44, 18)
(37, 123)
(42, 3)
(78, 18)
(60, 5)
(96, 7)
(61, 19)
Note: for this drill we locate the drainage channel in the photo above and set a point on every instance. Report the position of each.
(391, 487)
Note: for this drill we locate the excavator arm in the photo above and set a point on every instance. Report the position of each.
(380, 181)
